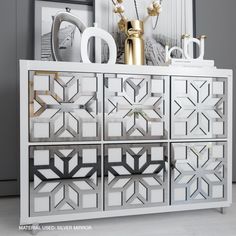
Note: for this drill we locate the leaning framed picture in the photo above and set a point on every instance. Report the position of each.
(69, 35)
(176, 19)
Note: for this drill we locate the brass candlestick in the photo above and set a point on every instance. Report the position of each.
(134, 44)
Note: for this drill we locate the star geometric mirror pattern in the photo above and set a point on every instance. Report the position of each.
(198, 172)
(135, 107)
(135, 176)
(65, 179)
(64, 106)
(199, 107)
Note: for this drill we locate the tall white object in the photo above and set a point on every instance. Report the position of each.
(102, 34)
(187, 41)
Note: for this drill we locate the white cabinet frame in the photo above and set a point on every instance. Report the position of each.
(27, 66)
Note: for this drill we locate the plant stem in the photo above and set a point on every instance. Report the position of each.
(146, 18)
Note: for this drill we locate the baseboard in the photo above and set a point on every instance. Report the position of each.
(9, 188)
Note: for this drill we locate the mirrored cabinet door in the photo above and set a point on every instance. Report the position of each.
(64, 179)
(64, 106)
(136, 107)
(136, 175)
(199, 172)
(199, 107)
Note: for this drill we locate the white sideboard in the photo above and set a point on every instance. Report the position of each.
(113, 140)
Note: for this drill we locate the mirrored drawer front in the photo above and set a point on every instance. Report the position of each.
(135, 176)
(65, 179)
(135, 107)
(199, 172)
(199, 107)
(64, 106)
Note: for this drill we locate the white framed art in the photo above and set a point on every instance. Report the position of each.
(69, 46)
(175, 20)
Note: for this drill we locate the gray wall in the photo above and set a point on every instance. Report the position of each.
(8, 98)
(16, 41)
(217, 19)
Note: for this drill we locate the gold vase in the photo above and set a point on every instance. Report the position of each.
(134, 44)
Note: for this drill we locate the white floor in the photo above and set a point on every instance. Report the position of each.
(192, 223)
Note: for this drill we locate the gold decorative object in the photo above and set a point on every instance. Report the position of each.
(184, 36)
(119, 9)
(134, 44)
(134, 29)
(202, 37)
(122, 24)
(154, 9)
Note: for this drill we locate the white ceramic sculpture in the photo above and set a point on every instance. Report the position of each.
(187, 57)
(102, 34)
(185, 51)
(58, 19)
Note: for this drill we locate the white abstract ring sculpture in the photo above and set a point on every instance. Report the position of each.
(185, 52)
(187, 41)
(201, 45)
(169, 52)
(58, 19)
(100, 33)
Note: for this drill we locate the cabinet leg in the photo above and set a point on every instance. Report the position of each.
(35, 228)
(222, 210)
